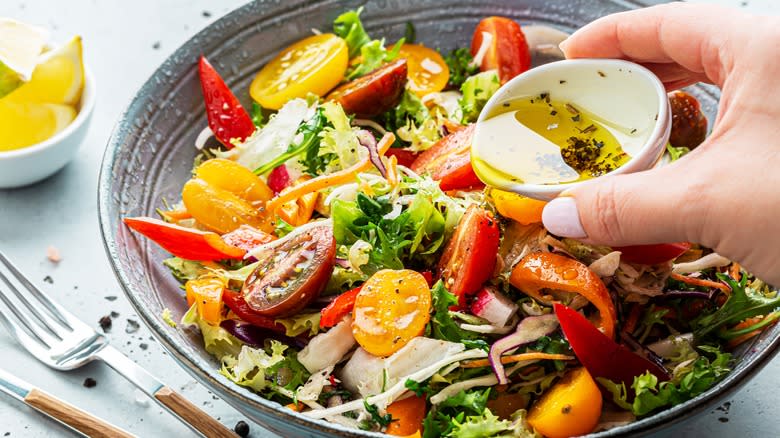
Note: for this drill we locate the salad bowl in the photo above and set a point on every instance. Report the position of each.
(150, 154)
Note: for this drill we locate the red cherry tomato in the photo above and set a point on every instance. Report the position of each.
(370, 95)
(470, 256)
(449, 161)
(508, 51)
(405, 157)
(237, 305)
(290, 275)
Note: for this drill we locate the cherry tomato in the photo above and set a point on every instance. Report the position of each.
(292, 274)
(219, 209)
(689, 126)
(392, 308)
(237, 305)
(571, 407)
(279, 179)
(652, 254)
(370, 95)
(469, 258)
(207, 294)
(405, 157)
(508, 51)
(312, 65)
(428, 73)
(235, 178)
(449, 161)
(407, 414)
(228, 120)
(524, 210)
(338, 308)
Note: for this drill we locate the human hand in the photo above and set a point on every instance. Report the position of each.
(726, 193)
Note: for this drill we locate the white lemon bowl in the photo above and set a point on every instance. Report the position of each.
(31, 164)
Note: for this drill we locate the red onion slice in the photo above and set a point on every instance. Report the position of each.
(528, 330)
(367, 140)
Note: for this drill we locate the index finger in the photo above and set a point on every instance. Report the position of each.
(696, 37)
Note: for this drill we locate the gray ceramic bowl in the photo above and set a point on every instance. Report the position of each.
(150, 155)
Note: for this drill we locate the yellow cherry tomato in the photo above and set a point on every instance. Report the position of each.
(220, 210)
(572, 407)
(312, 65)
(391, 309)
(207, 293)
(235, 178)
(517, 207)
(427, 71)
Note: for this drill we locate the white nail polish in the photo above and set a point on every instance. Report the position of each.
(560, 217)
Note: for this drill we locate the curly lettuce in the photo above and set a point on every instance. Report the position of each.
(476, 91)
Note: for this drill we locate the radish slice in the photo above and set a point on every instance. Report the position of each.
(529, 330)
(494, 306)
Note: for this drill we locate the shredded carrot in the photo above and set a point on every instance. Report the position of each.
(701, 282)
(297, 407)
(765, 321)
(325, 181)
(633, 318)
(174, 215)
(740, 339)
(518, 358)
(735, 271)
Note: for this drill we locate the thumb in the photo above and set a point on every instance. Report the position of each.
(654, 206)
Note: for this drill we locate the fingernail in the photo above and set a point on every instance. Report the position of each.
(563, 45)
(560, 217)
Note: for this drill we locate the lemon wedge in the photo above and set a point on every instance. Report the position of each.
(58, 78)
(26, 124)
(20, 47)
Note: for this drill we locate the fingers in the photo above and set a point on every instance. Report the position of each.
(641, 208)
(696, 37)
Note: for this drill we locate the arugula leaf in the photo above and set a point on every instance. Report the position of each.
(443, 327)
(419, 388)
(651, 395)
(372, 56)
(311, 140)
(675, 153)
(743, 303)
(382, 420)
(461, 65)
(476, 91)
(349, 27)
(651, 317)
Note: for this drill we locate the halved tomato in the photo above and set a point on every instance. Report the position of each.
(312, 65)
(507, 50)
(235, 302)
(291, 274)
(449, 161)
(370, 95)
(470, 256)
(428, 72)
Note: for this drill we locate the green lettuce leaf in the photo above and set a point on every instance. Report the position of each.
(481, 426)
(185, 270)
(675, 153)
(310, 140)
(217, 341)
(373, 55)
(349, 27)
(476, 91)
(442, 326)
(409, 109)
(339, 147)
(300, 323)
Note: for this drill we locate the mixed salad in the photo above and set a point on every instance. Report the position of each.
(339, 256)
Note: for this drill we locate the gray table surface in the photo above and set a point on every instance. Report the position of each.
(124, 43)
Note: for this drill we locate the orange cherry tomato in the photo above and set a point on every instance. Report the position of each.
(235, 178)
(572, 407)
(392, 308)
(408, 415)
(543, 271)
(207, 293)
(508, 50)
(522, 209)
(427, 71)
(312, 65)
(220, 210)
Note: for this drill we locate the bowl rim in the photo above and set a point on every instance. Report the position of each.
(86, 106)
(198, 368)
(650, 151)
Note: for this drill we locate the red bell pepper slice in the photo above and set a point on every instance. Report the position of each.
(228, 120)
(338, 308)
(599, 354)
(238, 305)
(652, 254)
(187, 243)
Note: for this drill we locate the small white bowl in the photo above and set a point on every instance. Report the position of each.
(21, 167)
(620, 91)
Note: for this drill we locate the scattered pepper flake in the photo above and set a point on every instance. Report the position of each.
(89, 382)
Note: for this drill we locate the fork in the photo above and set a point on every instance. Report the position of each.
(63, 342)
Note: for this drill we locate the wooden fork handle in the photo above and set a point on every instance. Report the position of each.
(193, 415)
(72, 416)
